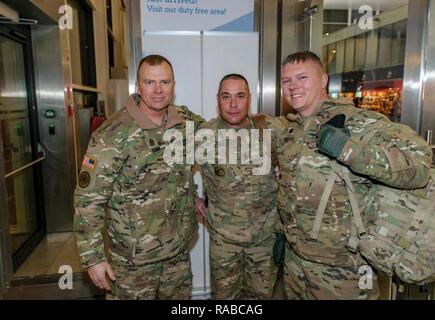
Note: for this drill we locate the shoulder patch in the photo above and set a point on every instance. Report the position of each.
(89, 163)
(84, 179)
(219, 171)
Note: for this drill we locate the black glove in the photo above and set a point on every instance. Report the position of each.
(206, 200)
(279, 249)
(333, 136)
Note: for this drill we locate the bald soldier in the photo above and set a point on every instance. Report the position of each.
(151, 206)
(242, 212)
(321, 260)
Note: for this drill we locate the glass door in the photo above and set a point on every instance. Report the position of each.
(21, 211)
(364, 52)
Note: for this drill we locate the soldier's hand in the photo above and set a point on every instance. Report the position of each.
(98, 273)
(201, 209)
(331, 140)
(333, 136)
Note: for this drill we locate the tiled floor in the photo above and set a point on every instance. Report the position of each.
(59, 249)
(54, 251)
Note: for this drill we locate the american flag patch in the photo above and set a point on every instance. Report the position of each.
(89, 163)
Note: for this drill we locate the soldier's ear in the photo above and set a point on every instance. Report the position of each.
(137, 89)
(324, 81)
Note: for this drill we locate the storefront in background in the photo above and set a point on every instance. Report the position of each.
(364, 52)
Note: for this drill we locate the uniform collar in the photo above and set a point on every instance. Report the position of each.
(295, 117)
(222, 125)
(321, 106)
(144, 122)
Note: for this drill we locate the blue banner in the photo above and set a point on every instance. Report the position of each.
(197, 15)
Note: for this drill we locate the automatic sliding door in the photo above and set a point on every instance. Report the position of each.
(20, 157)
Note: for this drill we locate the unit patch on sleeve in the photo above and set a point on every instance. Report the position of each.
(84, 179)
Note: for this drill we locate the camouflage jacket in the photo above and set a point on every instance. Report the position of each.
(242, 206)
(151, 212)
(395, 156)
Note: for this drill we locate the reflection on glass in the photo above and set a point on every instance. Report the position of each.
(364, 52)
(22, 218)
(17, 146)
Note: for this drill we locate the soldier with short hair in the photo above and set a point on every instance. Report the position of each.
(151, 205)
(321, 260)
(242, 213)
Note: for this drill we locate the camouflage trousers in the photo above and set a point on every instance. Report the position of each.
(242, 271)
(306, 280)
(165, 280)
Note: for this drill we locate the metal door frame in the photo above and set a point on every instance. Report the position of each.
(418, 109)
(11, 261)
(414, 69)
(428, 99)
(5, 254)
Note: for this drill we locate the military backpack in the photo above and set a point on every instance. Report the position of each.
(395, 230)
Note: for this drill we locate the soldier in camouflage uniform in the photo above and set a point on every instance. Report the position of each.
(318, 265)
(151, 206)
(241, 212)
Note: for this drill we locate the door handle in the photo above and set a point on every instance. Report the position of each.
(24, 168)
